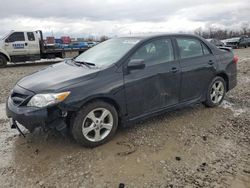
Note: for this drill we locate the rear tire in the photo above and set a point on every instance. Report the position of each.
(216, 92)
(3, 61)
(94, 124)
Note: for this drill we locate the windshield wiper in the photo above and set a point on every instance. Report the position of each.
(87, 64)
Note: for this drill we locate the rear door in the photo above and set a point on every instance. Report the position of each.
(157, 85)
(15, 44)
(198, 67)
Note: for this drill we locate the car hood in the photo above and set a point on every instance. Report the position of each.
(2, 46)
(56, 77)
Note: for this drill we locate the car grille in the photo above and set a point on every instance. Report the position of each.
(18, 98)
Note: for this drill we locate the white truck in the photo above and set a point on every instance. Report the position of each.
(21, 46)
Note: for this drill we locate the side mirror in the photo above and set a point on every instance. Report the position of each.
(136, 64)
(7, 40)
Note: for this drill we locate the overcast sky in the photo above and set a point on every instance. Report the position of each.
(120, 17)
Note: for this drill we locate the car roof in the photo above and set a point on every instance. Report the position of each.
(148, 36)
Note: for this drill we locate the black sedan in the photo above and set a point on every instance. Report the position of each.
(121, 81)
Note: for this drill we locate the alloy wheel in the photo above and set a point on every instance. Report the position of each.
(97, 124)
(217, 92)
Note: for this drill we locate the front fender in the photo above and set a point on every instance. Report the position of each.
(5, 53)
(117, 101)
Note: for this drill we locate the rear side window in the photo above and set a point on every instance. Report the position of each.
(155, 52)
(17, 36)
(189, 47)
(31, 36)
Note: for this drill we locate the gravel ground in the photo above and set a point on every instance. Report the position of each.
(192, 147)
(10, 75)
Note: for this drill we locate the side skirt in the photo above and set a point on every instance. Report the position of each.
(128, 122)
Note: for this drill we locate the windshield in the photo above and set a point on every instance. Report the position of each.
(108, 52)
(5, 35)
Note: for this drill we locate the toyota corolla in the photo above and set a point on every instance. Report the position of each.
(120, 81)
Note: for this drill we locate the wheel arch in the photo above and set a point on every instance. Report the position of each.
(74, 108)
(225, 77)
(76, 123)
(2, 52)
(107, 100)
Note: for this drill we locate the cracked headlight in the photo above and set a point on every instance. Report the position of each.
(42, 100)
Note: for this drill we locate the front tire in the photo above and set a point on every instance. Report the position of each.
(3, 61)
(216, 92)
(95, 124)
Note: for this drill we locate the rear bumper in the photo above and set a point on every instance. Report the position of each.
(232, 81)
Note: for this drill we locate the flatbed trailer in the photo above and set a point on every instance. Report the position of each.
(21, 46)
(62, 52)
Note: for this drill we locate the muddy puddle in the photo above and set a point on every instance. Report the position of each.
(171, 149)
(237, 110)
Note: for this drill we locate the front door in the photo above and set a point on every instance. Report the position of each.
(15, 44)
(157, 85)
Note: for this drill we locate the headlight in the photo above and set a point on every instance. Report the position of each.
(42, 100)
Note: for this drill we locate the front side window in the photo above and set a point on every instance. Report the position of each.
(206, 51)
(17, 36)
(155, 52)
(189, 47)
(31, 36)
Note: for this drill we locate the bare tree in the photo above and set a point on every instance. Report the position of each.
(198, 31)
(245, 28)
(213, 32)
(103, 38)
(90, 39)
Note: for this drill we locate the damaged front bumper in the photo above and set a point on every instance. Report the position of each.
(32, 117)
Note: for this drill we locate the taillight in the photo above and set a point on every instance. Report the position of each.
(235, 59)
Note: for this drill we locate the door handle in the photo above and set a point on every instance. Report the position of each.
(210, 62)
(174, 70)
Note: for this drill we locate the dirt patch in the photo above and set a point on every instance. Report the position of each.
(192, 147)
(11, 74)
